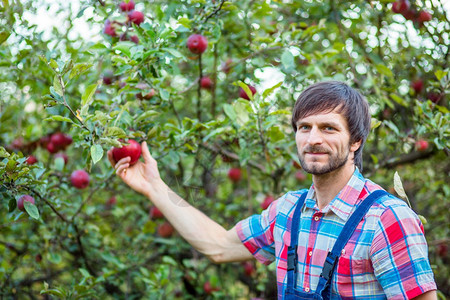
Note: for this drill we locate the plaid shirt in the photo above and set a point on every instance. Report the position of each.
(386, 257)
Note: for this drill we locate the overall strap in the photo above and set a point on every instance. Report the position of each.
(344, 236)
(292, 249)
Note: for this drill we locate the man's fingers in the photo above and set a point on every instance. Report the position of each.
(124, 160)
(110, 157)
(121, 169)
(146, 153)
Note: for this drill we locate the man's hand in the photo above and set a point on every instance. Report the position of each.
(143, 177)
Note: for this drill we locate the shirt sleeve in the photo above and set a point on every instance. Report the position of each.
(399, 254)
(256, 233)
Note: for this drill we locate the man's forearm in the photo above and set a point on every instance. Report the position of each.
(204, 234)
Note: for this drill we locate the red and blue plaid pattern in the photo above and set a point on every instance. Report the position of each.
(386, 257)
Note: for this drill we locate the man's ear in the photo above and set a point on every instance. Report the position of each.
(355, 146)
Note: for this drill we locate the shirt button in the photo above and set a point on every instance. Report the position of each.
(307, 289)
(310, 253)
(316, 218)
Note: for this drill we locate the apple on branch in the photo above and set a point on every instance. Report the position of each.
(80, 179)
(132, 149)
(197, 43)
(21, 201)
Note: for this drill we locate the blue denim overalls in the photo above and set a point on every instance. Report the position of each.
(323, 290)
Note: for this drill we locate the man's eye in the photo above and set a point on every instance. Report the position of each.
(328, 128)
(303, 127)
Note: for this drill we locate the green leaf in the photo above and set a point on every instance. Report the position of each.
(165, 95)
(53, 64)
(4, 36)
(86, 99)
(185, 22)
(57, 85)
(146, 115)
(124, 47)
(84, 272)
(398, 187)
(440, 74)
(275, 134)
(79, 69)
(59, 164)
(96, 153)
(382, 69)
(270, 90)
(398, 99)
(229, 111)
(287, 59)
(173, 52)
(31, 209)
(115, 131)
(4, 153)
(58, 118)
(246, 89)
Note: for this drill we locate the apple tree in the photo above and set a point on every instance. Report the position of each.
(209, 85)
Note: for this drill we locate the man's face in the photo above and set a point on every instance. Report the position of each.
(323, 143)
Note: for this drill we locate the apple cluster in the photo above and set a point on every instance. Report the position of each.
(404, 8)
(133, 17)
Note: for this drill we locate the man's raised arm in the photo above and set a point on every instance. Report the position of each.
(204, 234)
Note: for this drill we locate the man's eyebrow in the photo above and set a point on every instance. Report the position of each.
(326, 123)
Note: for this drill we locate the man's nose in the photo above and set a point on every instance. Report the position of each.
(315, 136)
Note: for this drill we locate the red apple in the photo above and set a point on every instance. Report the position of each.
(109, 29)
(442, 249)
(249, 269)
(43, 141)
(435, 97)
(17, 143)
(51, 148)
(60, 141)
(165, 230)
(133, 150)
(63, 156)
(22, 199)
(409, 14)
(421, 145)
(209, 289)
(134, 39)
(417, 85)
(300, 176)
(111, 201)
(79, 179)
(124, 6)
(38, 258)
(235, 174)
(197, 43)
(31, 160)
(400, 6)
(155, 213)
(108, 77)
(424, 16)
(136, 17)
(267, 201)
(244, 95)
(206, 83)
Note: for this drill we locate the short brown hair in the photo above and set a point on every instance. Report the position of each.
(330, 95)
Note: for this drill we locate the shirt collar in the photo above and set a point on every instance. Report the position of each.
(343, 204)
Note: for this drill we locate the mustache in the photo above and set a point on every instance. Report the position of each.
(315, 149)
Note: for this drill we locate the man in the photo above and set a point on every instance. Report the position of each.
(384, 256)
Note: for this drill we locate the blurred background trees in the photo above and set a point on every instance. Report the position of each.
(217, 121)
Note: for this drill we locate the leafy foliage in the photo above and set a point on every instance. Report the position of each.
(75, 244)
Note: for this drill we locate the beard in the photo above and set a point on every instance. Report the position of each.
(336, 161)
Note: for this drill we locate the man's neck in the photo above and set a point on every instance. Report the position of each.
(327, 186)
